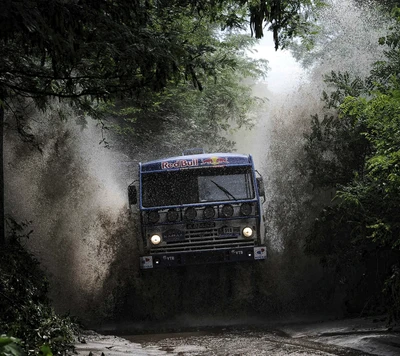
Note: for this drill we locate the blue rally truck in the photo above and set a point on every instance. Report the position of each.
(199, 208)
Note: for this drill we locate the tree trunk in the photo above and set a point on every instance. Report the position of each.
(2, 229)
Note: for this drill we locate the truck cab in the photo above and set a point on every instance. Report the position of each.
(199, 208)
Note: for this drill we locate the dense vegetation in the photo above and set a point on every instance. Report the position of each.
(147, 60)
(176, 71)
(26, 312)
(183, 116)
(356, 152)
(106, 50)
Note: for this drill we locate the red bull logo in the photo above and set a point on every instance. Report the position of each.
(214, 161)
(183, 163)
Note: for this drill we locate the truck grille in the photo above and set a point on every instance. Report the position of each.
(203, 239)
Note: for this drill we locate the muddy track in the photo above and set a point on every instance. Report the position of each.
(358, 336)
(239, 343)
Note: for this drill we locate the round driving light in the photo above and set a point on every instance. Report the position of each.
(208, 212)
(153, 216)
(155, 239)
(190, 213)
(227, 211)
(247, 232)
(172, 215)
(246, 209)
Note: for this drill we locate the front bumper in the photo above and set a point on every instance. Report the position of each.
(163, 260)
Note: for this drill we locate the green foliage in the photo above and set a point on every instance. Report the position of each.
(97, 51)
(102, 49)
(288, 19)
(110, 51)
(365, 217)
(344, 86)
(26, 311)
(181, 116)
(335, 151)
(10, 346)
(381, 193)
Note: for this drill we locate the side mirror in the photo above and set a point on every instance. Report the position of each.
(260, 185)
(132, 194)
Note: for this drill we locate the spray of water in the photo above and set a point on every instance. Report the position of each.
(74, 191)
(348, 41)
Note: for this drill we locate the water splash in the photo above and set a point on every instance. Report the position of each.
(74, 192)
(348, 41)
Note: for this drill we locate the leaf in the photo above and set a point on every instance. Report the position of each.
(45, 350)
(9, 346)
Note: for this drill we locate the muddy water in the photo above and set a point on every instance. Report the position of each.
(74, 192)
(239, 342)
(290, 336)
(345, 337)
(284, 336)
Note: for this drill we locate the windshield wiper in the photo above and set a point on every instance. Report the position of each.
(227, 192)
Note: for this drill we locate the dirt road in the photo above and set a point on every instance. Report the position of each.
(343, 337)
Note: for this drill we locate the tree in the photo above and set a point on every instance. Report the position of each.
(104, 49)
(182, 116)
(362, 228)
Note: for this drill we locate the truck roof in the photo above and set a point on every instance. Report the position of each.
(197, 161)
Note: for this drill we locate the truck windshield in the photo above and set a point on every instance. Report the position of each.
(196, 186)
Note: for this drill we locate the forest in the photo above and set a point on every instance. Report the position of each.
(89, 88)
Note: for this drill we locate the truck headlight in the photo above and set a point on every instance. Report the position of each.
(155, 239)
(247, 232)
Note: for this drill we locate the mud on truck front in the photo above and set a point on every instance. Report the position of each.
(199, 208)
